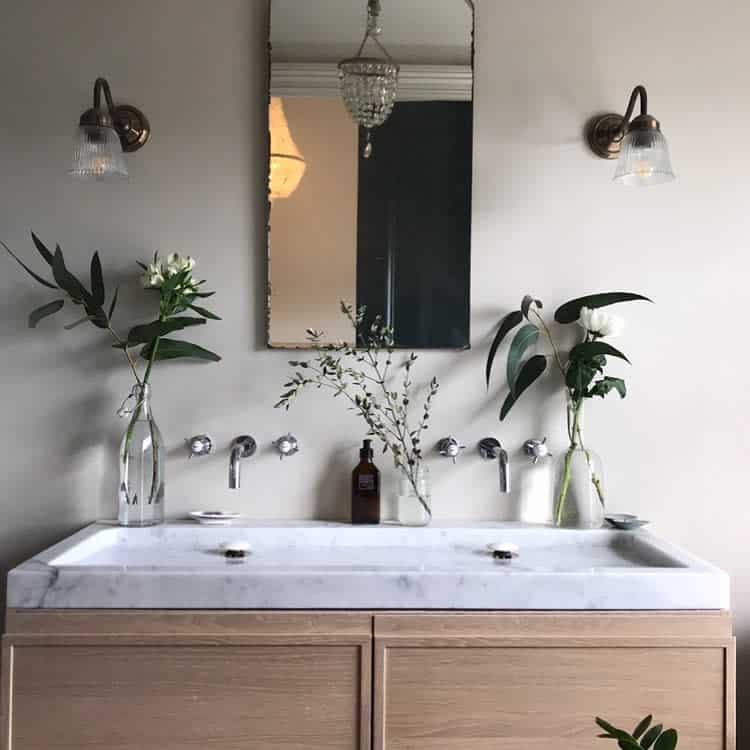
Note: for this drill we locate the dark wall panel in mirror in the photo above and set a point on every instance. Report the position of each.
(385, 226)
(414, 225)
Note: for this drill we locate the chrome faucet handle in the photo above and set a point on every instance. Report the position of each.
(286, 445)
(536, 449)
(489, 448)
(199, 445)
(449, 447)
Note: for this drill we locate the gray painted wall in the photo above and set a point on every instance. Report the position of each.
(546, 220)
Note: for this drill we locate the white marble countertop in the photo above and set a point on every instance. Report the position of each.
(317, 565)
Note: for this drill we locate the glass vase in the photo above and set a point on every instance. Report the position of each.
(142, 454)
(414, 502)
(578, 483)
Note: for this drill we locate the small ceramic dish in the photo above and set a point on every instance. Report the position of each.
(625, 521)
(214, 517)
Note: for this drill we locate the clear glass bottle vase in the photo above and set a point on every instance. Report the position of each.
(142, 454)
(578, 481)
(414, 501)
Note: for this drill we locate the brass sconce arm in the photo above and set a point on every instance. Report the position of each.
(130, 124)
(638, 91)
(100, 85)
(605, 132)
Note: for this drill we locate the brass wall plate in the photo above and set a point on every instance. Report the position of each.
(600, 135)
(132, 126)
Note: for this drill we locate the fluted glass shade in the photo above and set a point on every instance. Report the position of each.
(97, 154)
(287, 165)
(644, 158)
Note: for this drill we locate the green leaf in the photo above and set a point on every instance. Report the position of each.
(524, 338)
(649, 738)
(77, 291)
(590, 349)
(644, 723)
(76, 323)
(579, 374)
(205, 313)
(667, 741)
(67, 281)
(97, 280)
(42, 248)
(628, 743)
(507, 324)
(530, 371)
(614, 732)
(144, 334)
(42, 312)
(602, 388)
(33, 275)
(526, 304)
(571, 311)
(172, 349)
(113, 303)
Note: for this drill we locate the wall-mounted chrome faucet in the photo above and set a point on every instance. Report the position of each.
(242, 447)
(490, 449)
(449, 447)
(286, 445)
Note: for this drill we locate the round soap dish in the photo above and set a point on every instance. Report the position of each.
(214, 517)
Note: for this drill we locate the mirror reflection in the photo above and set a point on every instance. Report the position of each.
(370, 124)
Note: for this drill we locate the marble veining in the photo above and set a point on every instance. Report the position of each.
(318, 565)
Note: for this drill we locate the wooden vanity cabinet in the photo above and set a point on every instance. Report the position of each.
(170, 681)
(534, 681)
(145, 680)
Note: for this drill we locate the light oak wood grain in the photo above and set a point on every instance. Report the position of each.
(531, 681)
(292, 682)
(288, 680)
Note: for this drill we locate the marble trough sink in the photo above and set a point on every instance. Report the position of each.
(316, 565)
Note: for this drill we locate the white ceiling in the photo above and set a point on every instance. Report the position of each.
(421, 32)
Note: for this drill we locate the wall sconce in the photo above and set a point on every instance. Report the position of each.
(638, 144)
(103, 135)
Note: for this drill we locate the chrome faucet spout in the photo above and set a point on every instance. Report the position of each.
(491, 450)
(242, 447)
(504, 465)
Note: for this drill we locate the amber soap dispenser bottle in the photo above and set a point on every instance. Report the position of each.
(365, 488)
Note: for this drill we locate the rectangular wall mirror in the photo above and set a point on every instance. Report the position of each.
(374, 216)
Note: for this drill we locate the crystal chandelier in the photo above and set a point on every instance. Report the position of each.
(368, 84)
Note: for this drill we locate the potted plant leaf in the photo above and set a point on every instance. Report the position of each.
(579, 491)
(142, 451)
(646, 736)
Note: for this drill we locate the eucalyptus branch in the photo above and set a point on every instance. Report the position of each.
(364, 377)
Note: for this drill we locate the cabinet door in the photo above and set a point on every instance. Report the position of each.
(268, 682)
(536, 681)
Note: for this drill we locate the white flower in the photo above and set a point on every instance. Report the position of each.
(173, 264)
(152, 277)
(176, 263)
(601, 323)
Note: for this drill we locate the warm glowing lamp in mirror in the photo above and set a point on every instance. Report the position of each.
(287, 165)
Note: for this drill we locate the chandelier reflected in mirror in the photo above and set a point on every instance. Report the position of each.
(368, 84)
